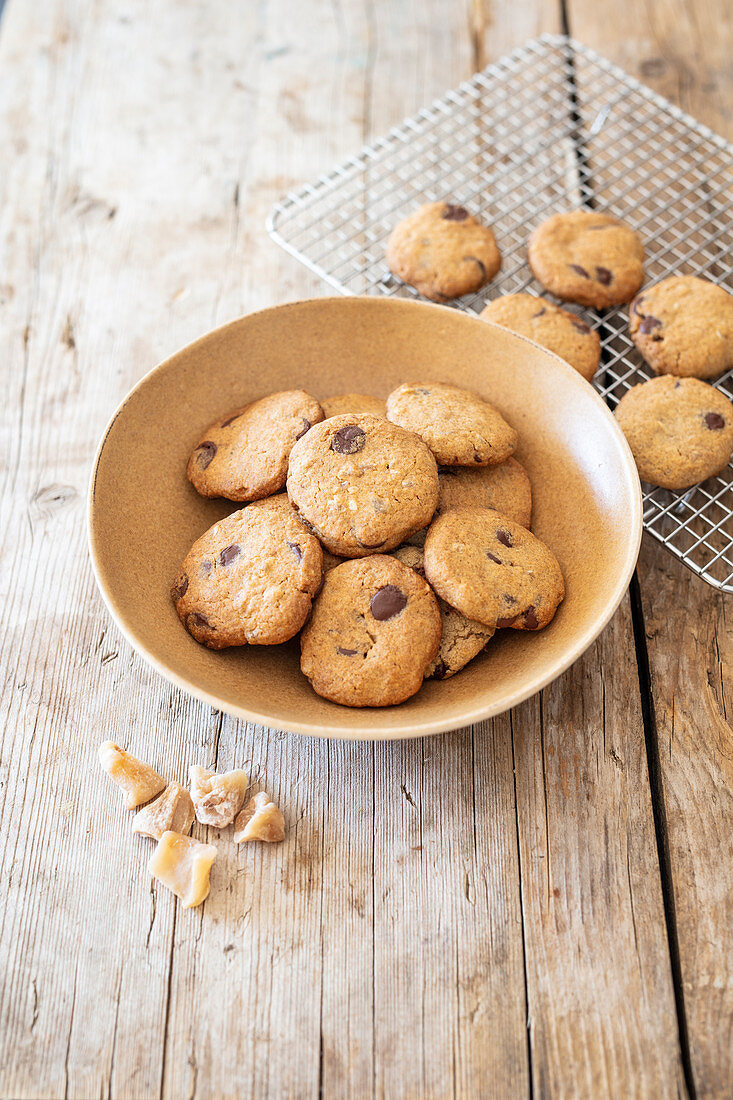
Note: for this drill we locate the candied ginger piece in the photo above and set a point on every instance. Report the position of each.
(217, 799)
(139, 782)
(171, 812)
(259, 820)
(183, 865)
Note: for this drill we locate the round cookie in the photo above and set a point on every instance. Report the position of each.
(587, 257)
(353, 403)
(555, 329)
(462, 639)
(459, 428)
(680, 430)
(684, 326)
(492, 569)
(244, 456)
(362, 484)
(443, 251)
(505, 488)
(373, 632)
(250, 578)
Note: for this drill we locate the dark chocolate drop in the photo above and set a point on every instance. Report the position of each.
(348, 440)
(229, 554)
(205, 453)
(387, 602)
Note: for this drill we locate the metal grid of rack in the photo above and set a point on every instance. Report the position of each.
(550, 127)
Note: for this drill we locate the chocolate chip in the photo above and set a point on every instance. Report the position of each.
(475, 260)
(502, 623)
(539, 313)
(226, 423)
(296, 550)
(181, 586)
(346, 652)
(206, 452)
(505, 537)
(530, 620)
(649, 324)
(714, 421)
(229, 554)
(371, 545)
(195, 618)
(306, 428)
(387, 602)
(206, 567)
(635, 305)
(509, 599)
(579, 270)
(493, 557)
(604, 276)
(580, 326)
(453, 213)
(476, 457)
(440, 671)
(348, 440)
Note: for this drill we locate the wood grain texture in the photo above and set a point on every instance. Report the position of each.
(432, 899)
(683, 50)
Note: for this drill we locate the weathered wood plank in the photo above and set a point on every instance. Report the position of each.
(683, 50)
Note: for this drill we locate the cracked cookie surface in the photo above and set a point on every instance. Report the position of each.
(556, 329)
(244, 455)
(680, 430)
(250, 578)
(684, 326)
(462, 639)
(460, 428)
(443, 251)
(374, 630)
(587, 257)
(492, 569)
(361, 484)
(354, 403)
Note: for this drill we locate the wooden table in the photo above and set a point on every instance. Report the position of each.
(541, 905)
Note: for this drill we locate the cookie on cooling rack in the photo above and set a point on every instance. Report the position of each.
(555, 329)
(443, 251)
(680, 430)
(587, 257)
(684, 326)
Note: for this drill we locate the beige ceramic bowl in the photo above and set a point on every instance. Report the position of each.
(144, 514)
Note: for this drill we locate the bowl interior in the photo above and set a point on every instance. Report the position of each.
(144, 514)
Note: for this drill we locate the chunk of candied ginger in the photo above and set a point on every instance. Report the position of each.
(139, 782)
(260, 820)
(217, 799)
(171, 812)
(183, 865)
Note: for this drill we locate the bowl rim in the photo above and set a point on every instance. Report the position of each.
(386, 732)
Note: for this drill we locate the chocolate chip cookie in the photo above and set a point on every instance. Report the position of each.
(460, 428)
(555, 329)
(684, 326)
(443, 251)
(461, 639)
(361, 484)
(505, 488)
(492, 569)
(244, 456)
(373, 632)
(587, 257)
(353, 403)
(250, 578)
(680, 430)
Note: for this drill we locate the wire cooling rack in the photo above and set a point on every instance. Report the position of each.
(551, 127)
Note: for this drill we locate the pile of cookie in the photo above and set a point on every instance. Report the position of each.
(680, 430)
(400, 546)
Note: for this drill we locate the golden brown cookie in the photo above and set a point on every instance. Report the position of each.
(373, 632)
(250, 578)
(442, 251)
(684, 326)
(492, 569)
(361, 484)
(505, 488)
(244, 456)
(680, 430)
(460, 428)
(587, 257)
(353, 403)
(461, 639)
(555, 329)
